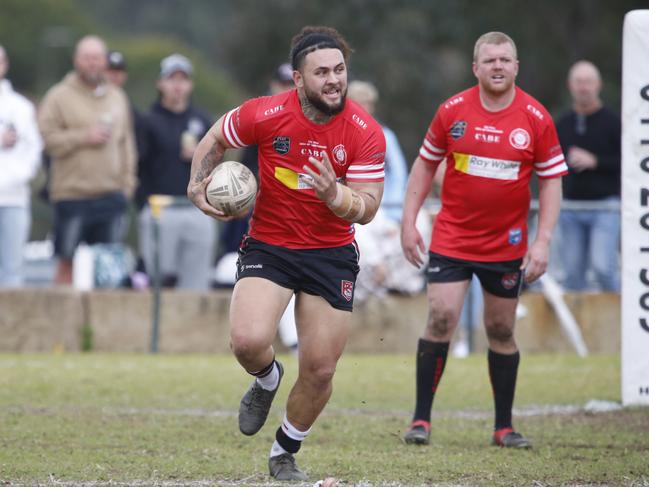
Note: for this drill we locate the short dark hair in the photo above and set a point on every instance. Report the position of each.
(314, 37)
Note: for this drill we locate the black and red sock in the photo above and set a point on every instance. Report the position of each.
(431, 360)
(503, 369)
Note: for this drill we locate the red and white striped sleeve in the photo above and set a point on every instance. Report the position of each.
(369, 165)
(550, 162)
(239, 124)
(433, 149)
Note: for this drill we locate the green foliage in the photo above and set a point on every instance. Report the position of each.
(172, 419)
(39, 36)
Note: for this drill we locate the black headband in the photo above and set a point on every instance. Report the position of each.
(311, 43)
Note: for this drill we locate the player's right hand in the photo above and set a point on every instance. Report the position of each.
(196, 192)
(412, 245)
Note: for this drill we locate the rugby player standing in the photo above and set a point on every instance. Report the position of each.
(321, 171)
(493, 137)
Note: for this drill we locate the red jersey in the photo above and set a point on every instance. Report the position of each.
(490, 158)
(287, 212)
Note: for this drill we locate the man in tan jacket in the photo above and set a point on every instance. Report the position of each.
(87, 128)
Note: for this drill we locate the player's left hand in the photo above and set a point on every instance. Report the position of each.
(535, 261)
(196, 192)
(324, 177)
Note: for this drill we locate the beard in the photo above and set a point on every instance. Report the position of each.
(316, 100)
(93, 79)
(498, 89)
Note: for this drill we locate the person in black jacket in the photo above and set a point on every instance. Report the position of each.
(173, 128)
(590, 139)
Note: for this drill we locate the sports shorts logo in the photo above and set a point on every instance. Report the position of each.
(282, 144)
(458, 129)
(510, 280)
(347, 289)
(340, 154)
(519, 139)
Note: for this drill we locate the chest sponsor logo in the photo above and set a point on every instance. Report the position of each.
(312, 148)
(519, 139)
(347, 289)
(515, 236)
(510, 280)
(488, 138)
(282, 144)
(488, 134)
(486, 167)
(340, 154)
(458, 129)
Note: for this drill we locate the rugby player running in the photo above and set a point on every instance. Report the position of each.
(321, 171)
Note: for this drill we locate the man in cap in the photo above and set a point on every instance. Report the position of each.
(173, 128)
(116, 69)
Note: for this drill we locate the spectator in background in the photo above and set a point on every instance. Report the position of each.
(20, 156)
(116, 69)
(590, 137)
(117, 74)
(396, 169)
(173, 128)
(87, 128)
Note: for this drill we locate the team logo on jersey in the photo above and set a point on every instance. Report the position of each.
(510, 280)
(347, 289)
(458, 129)
(340, 154)
(282, 144)
(515, 236)
(519, 139)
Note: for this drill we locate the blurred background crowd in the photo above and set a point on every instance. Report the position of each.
(142, 82)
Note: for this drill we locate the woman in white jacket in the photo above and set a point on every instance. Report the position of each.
(20, 156)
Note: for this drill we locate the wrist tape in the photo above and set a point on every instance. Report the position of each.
(347, 204)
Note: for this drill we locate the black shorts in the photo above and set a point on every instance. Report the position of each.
(329, 273)
(96, 220)
(503, 279)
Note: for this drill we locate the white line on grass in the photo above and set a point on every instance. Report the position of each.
(591, 407)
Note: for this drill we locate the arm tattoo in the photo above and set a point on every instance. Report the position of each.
(356, 204)
(209, 162)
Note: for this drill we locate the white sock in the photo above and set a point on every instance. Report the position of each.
(270, 381)
(276, 450)
(292, 432)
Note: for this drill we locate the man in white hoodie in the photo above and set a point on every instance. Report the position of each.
(20, 156)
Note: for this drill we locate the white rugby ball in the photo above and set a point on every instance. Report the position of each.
(233, 189)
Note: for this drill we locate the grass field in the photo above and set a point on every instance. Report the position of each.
(93, 419)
